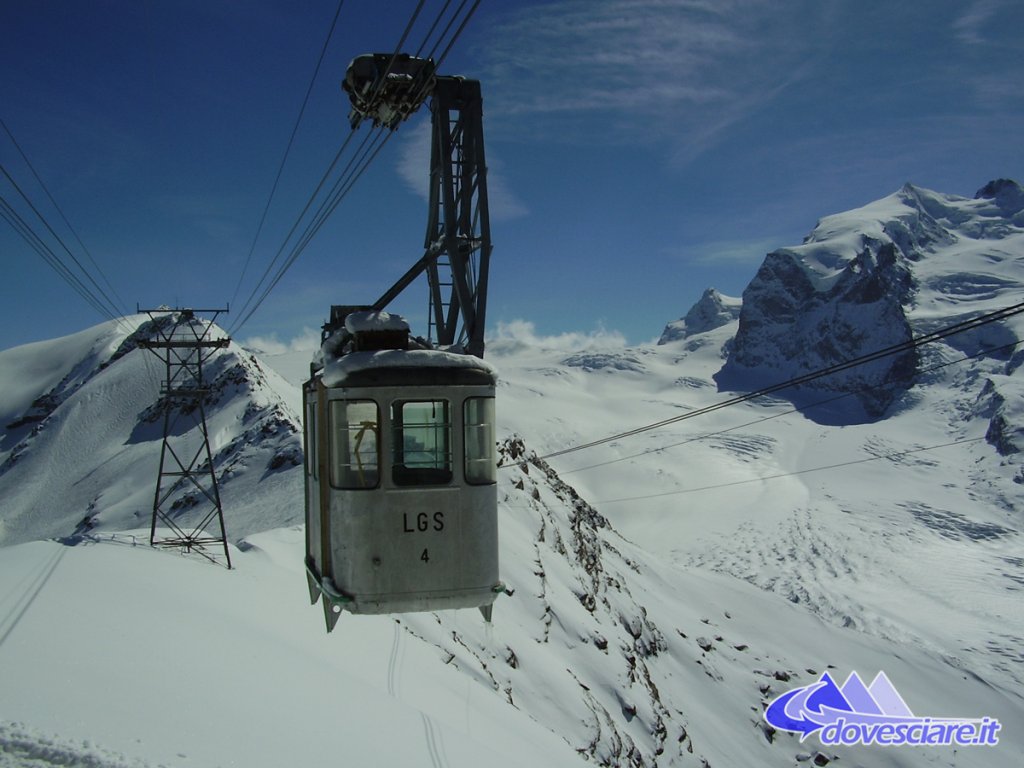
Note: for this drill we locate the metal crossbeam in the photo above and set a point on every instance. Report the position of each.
(182, 344)
(457, 246)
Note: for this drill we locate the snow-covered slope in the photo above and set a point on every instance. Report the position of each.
(599, 653)
(662, 587)
(82, 425)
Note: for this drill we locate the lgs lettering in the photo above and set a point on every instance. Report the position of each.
(423, 522)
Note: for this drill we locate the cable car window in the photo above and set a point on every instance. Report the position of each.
(310, 435)
(355, 444)
(481, 454)
(422, 443)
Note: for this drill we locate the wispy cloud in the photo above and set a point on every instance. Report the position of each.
(306, 341)
(654, 68)
(989, 28)
(733, 251)
(968, 25)
(414, 169)
(522, 334)
(414, 157)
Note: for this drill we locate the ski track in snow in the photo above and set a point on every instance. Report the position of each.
(435, 745)
(395, 659)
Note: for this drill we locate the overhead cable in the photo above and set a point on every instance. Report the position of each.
(106, 307)
(288, 149)
(36, 243)
(913, 343)
(246, 312)
(122, 310)
(437, 20)
(354, 170)
(341, 189)
(323, 179)
(789, 412)
(852, 462)
(458, 32)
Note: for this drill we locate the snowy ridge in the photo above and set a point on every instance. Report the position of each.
(712, 310)
(871, 278)
(93, 427)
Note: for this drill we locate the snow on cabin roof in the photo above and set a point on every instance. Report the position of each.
(337, 370)
(370, 321)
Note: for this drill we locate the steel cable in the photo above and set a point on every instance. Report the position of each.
(791, 411)
(123, 308)
(913, 343)
(342, 188)
(34, 241)
(838, 465)
(287, 150)
(345, 183)
(109, 309)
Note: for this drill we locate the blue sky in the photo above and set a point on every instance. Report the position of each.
(639, 150)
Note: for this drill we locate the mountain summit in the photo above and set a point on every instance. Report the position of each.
(1008, 195)
(712, 310)
(81, 424)
(874, 277)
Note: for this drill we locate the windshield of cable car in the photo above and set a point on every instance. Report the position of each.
(422, 442)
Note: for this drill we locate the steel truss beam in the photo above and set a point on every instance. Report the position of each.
(458, 239)
(184, 348)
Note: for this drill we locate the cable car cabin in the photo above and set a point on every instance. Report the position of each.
(401, 494)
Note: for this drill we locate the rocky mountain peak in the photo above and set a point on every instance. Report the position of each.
(712, 310)
(1008, 195)
(868, 279)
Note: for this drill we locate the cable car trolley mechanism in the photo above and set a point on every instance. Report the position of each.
(400, 454)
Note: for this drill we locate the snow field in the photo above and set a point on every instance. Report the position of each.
(654, 607)
(174, 661)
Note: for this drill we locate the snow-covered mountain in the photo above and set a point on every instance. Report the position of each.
(871, 278)
(663, 587)
(713, 310)
(82, 421)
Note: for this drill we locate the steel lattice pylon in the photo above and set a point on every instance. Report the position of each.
(184, 347)
(458, 240)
